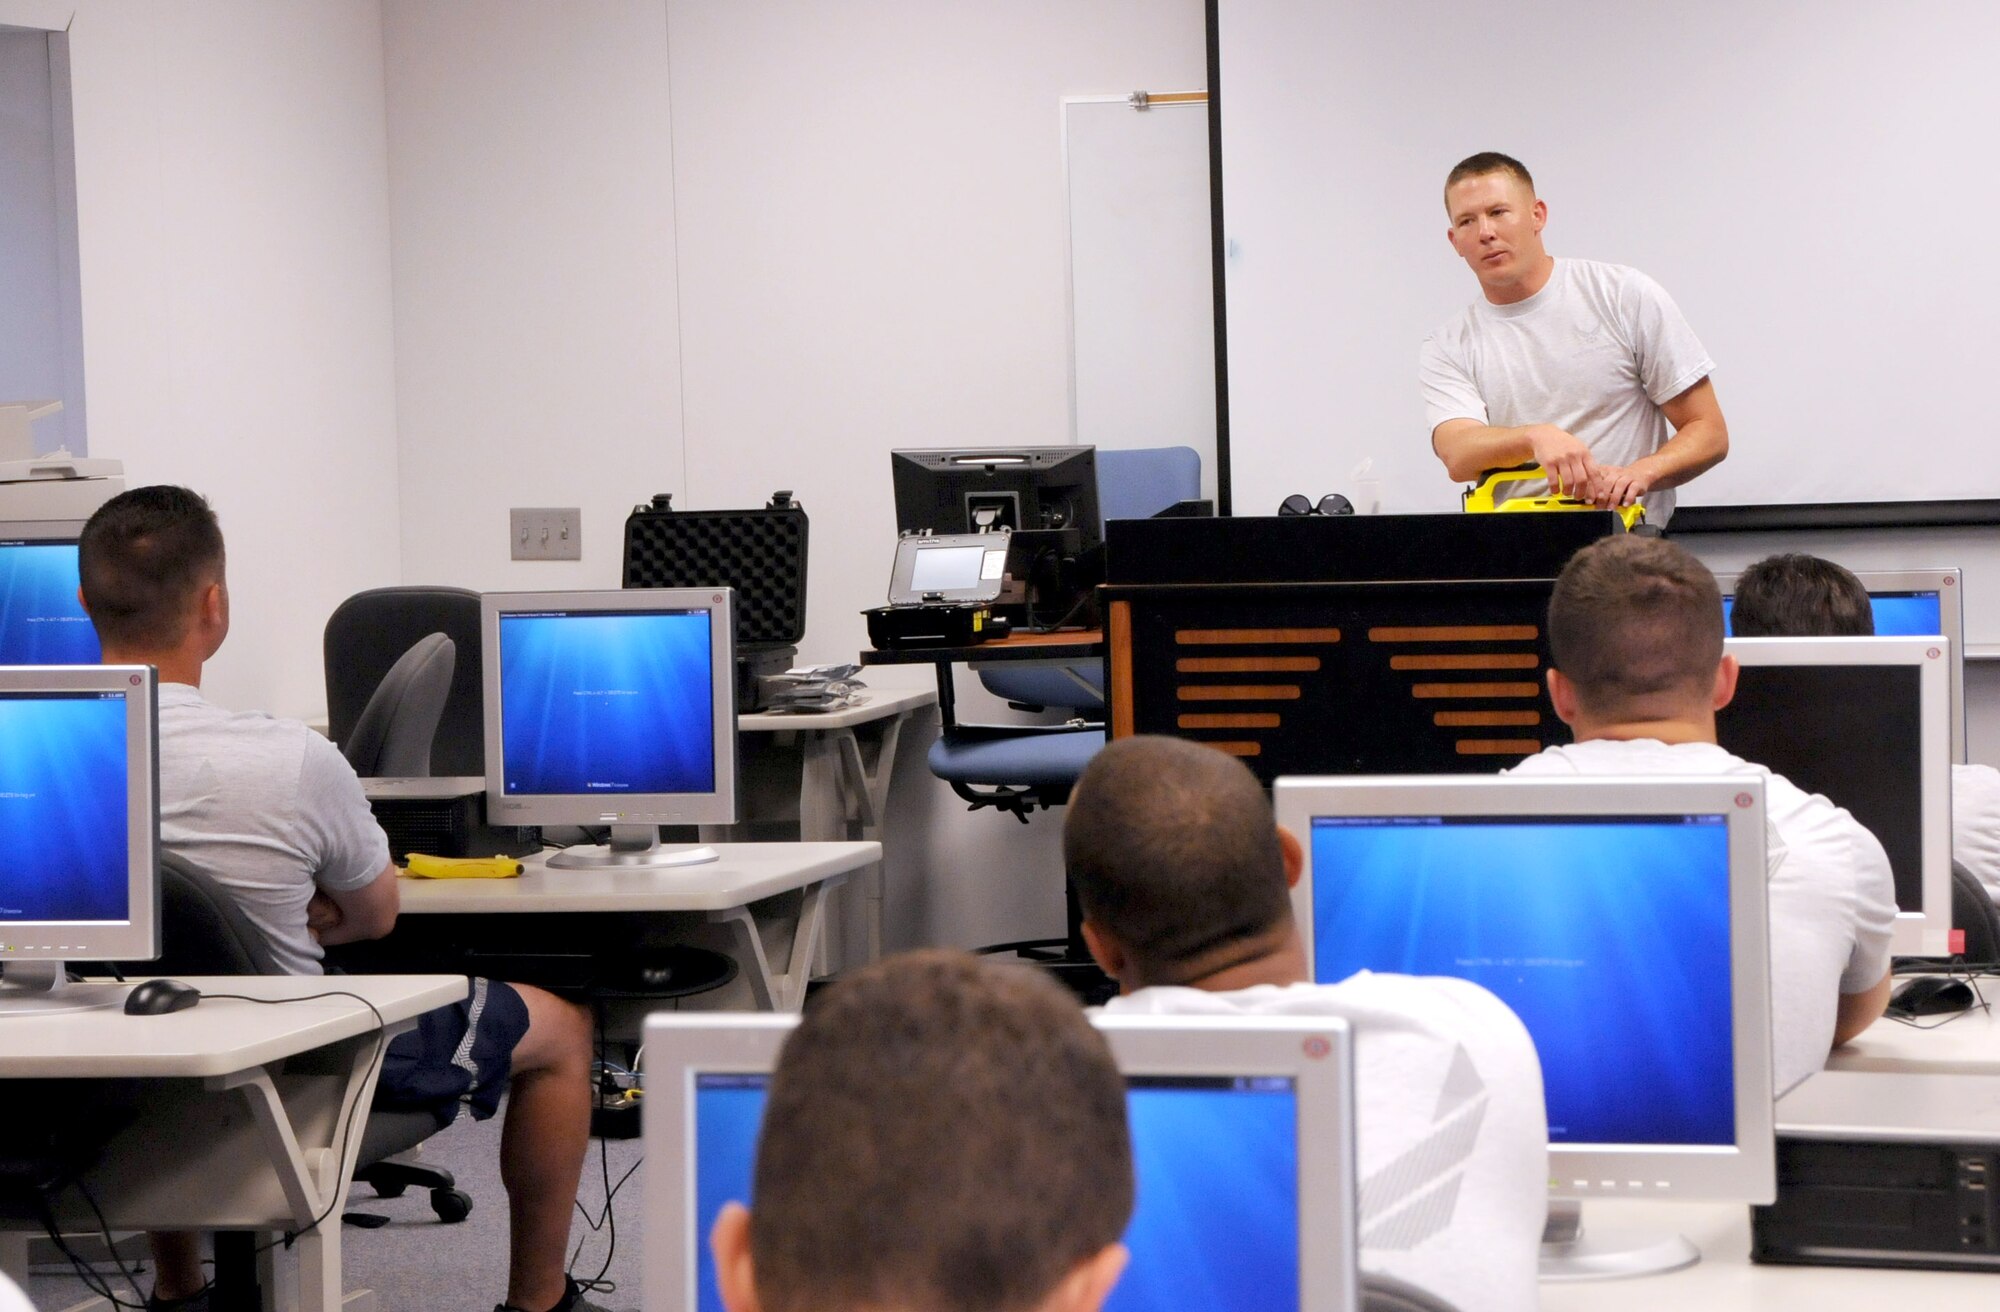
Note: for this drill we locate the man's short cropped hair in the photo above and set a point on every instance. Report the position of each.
(1635, 625)
(1799, 596)
(1486, 161)
(143, 557)
(1173, 852)
(942, 1133)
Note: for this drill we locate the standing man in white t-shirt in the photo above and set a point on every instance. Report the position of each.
(1635, 633)
(1185, 879)
(1799, 596)
(1587, 369)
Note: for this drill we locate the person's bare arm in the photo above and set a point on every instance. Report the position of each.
(1470, 448)
(362, 913)
(1699, 443)
(1860, 1010)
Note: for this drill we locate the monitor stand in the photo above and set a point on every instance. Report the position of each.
(42, 988)
(1606, 1253)
(633, 847)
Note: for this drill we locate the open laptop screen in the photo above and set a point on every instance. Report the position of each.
(1216, 1157)
(1608, 935)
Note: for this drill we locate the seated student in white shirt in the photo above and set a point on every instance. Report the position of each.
(1184, 879)
(274, 813)
(1800, 596)
(1635, 632)
(942, 1134)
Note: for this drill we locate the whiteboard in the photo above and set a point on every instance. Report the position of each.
(1141, 295)
(1810, 182)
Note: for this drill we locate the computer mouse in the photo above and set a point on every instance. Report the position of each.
(157, 997)
(1931, 995)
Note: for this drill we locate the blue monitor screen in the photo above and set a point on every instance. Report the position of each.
(1897, 614)
(62, 808)
(41, 621)
(603, 702)
(1608, 936)
(1216, 1158)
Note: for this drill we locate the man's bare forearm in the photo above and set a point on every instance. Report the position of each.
(1688, 454)
(1469, 452)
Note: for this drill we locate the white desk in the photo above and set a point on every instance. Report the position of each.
(1725, 1280)
(775, 949)
(242, 1122)
(845, 761)
(1968, 1045)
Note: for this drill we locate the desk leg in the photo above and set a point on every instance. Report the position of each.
(772, 990)
(842, 798)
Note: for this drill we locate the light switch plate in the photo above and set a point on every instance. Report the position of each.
(542, 533)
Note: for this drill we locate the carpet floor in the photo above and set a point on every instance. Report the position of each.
(418, 1264)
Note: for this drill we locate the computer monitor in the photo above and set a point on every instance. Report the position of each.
(974, 489)
(1243, 1145)
(612, 708)
(1862, 721)
(80, 824)
(1906, 603)
(41, 620)
(1622, 919)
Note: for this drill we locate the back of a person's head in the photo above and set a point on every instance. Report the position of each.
(1800, 596)
(142, 559)
(1173, 852)
(943, 1134)
(1635, 625)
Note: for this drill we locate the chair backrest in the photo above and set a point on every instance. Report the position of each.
(365, 636)
(203, 931)
(1140, 482)
(1972, 911)
(1383, 1293)
(394, 733)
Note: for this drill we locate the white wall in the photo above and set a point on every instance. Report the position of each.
(871, 219)
(233, 237)
(536, 339)
(866, 204)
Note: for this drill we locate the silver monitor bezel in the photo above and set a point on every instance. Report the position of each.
(1316, 1052)
(1743, 1172)
(1949, 584)
(717, 807)
(1926, 932)
(138, 937)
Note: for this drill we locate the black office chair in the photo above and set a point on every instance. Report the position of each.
(370, 631)
(1972, 911)
(1380, 1293)
(394, 733)
(204, 932)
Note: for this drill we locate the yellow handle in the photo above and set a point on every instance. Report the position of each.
(462, 867)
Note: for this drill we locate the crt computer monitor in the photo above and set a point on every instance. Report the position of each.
(41, 620)
(1906, 603)
(612, 708)
(80, 827)
(973, 489)
(1243, 1150)
(1622, 919)
(1862, 721)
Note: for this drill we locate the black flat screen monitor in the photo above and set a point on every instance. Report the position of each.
(972, 489)
(1861, 721)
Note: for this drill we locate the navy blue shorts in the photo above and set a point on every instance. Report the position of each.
(456, 1055)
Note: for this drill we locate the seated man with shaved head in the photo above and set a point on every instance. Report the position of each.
(943, 1134)
(1635, 636)
(1185, 881)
